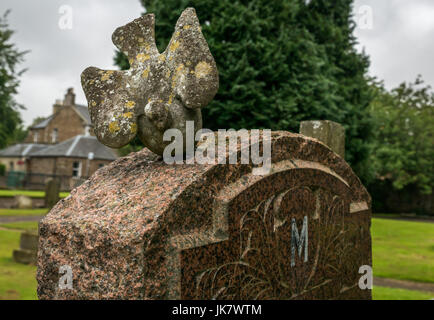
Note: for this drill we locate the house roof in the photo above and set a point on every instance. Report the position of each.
(78, 147)
(82, 111)
(43, 123)
(22, 150)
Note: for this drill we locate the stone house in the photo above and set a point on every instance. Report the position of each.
(72, 161)
(62, 145)
(67, 120)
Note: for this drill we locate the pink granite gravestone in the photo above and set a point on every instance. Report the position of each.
(143, 229)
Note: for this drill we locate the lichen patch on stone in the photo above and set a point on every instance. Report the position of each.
(145, 73)
(130, 104)
(114, 127)
(202, 69)
(106, 75)
(142, 57)
(174, 45)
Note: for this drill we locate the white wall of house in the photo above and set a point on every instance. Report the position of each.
(13, 163)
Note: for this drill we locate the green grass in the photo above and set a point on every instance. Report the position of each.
(25, 225)
(23, 212)
(29, 193)
(17, 281)
(403, 250)
(382, 293)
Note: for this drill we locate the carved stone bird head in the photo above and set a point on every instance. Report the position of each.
(160, 91)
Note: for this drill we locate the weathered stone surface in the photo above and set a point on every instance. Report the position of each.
(329, 132)
(23, 202)
(159, 91)
(28, 251)
(143, 229)
(52, 189)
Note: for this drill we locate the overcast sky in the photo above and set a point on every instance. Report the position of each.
(397, 34)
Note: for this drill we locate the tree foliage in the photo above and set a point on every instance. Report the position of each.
(404, 138)
(280, 62)
(10, 57)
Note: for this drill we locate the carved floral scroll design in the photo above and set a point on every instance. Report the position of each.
(262, 269)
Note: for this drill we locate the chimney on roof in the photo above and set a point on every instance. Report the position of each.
(68, 101)
(69, 97)
(57, 105)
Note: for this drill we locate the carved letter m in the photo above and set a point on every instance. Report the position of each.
(297, 240)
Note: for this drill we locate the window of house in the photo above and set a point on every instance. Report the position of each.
(11, 166)
(101, 165)
(35, 137)
(54, 136)
(76, 169)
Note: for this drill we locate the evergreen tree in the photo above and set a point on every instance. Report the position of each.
(331, 23)
(10, 120)
(280, 62)
(404, 136)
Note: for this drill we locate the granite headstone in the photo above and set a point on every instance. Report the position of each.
(143, 229)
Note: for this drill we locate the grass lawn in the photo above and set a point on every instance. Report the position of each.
(403, 250)
(17, 281)
(23, 212)
(25, 225)
(382, 293)
(29, 193)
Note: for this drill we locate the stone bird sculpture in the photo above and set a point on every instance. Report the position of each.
(160, 90)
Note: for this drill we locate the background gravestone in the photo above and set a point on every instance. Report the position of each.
(52, 189)
(330, 133)
(143, 229)
(23, 202)
(28, 251)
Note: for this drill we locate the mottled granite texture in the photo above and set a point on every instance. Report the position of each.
(142, 229)
(160, 90)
